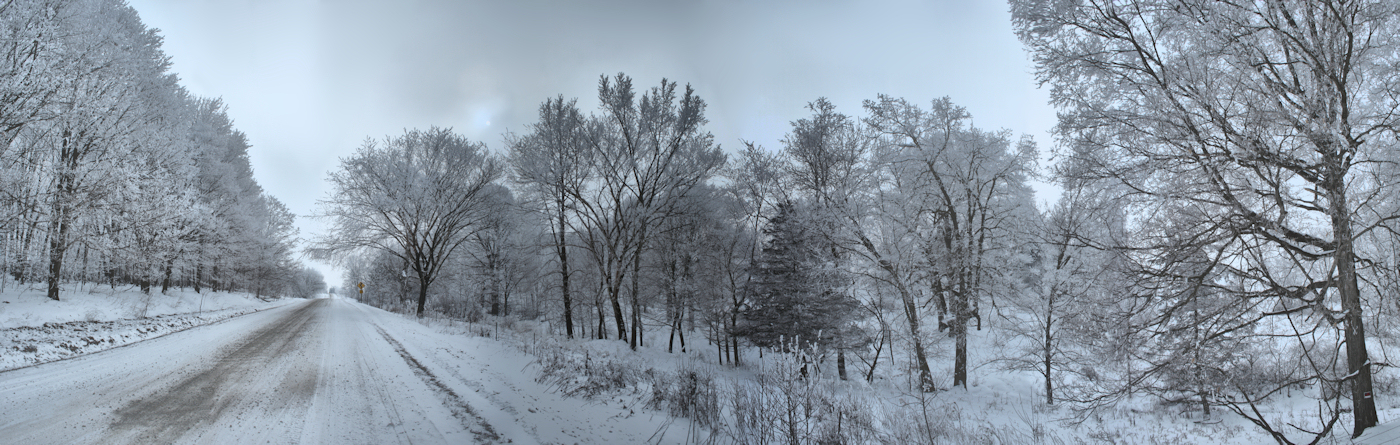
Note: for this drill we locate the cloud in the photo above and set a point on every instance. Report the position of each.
(310, 80)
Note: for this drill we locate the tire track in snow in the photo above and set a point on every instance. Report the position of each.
(472, 421)
(203, 398)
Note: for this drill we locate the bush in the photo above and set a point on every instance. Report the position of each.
(690, 393)
(585, 375)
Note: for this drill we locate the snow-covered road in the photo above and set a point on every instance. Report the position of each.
(322, 371)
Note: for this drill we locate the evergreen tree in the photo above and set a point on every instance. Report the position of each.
(794, 302)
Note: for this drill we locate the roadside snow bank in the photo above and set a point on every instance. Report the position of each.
(28, 306)
(35, 329)
(500, 383)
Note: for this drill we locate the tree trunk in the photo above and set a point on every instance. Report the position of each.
(615, 293)
(960, 350)
(841, 363)
(921, 359)
(962, 311)
(169, 269)
(56, 250)
(602, 321)
(734, 350)
(1049, 354)
(1358, 362)
(671, 338)
(562, 248)
(879, 345)
(199, 267)
(422, 294)
(635, 339)
(21, 272)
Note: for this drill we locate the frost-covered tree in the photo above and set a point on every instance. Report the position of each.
(104, 158)
(307, 283)
(552, 163)
(113, 85)
(1271, 117)
(830, 167)
(647, 154)
(419, 197)
(500, 255)
(961, 192)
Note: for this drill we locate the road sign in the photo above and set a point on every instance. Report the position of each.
(361, 286)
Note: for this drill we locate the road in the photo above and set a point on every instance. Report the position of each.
(319, 371)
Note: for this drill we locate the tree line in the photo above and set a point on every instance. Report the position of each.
(1225, 234)
(112, 173)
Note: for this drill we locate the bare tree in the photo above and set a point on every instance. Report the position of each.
(417, 197)
(647, 155)
(960, 191)
(1270, 116)
(1070, 263)
(552, 163)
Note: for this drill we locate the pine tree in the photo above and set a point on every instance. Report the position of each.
(794, 302)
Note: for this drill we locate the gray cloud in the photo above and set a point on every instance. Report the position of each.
(310, 80)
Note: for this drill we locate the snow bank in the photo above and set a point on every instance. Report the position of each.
(22, 306)
(35, 329)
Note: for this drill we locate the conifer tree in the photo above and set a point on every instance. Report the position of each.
(793, 302)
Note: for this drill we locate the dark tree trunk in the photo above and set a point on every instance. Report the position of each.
(1049, 354)
(422, 294)
(1358, 361)
(56, 251)
(920, 359)
(169, 269)
(562, 248)
(602, 320)
(879, 346)
(841, 363)
(635, 338)
(615, 292)
(962, 312)
(734, 350)
(21, 272)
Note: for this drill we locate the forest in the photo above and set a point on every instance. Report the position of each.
(1222, 244)
(1225, 238)
(111, 173)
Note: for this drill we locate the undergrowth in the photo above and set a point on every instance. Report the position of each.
(772, 401)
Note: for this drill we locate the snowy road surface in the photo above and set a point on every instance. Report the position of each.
(323, 371)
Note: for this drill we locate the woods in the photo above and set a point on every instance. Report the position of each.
(1225, 172)
(1219, 240)
(114, 174)
(1263, 135)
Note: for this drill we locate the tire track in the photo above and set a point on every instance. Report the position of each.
(204, 398)
(472, 421)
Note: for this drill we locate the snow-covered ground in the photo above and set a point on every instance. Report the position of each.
(337, 371)
(35, 329)
(310, 371)
(765, 401)
(22, 305)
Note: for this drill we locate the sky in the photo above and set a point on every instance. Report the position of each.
(310, 80)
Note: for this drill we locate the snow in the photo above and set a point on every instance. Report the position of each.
(499, 380)
(29, 306)
(1385, 433)
(37, 329)
(309, 371)
(337, 371)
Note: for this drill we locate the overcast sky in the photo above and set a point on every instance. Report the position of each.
(309, 80)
